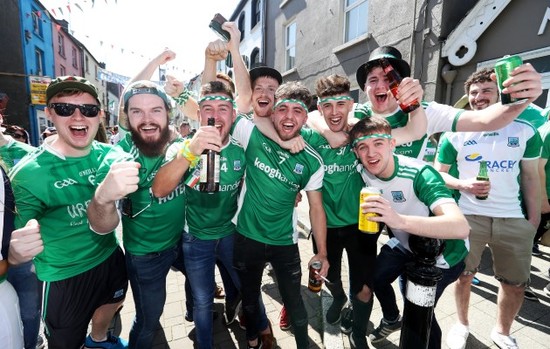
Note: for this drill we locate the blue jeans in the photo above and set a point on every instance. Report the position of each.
(250, 258)
(200, 260)
(29, 291)
(147, 275)
(391, 264)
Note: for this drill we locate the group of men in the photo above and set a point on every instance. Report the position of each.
(148, 182)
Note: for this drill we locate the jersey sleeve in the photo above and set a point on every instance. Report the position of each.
(171, 152)
(242, 129)
(545, 136)
(316, 180)
(441, 118)
(430, 188)
(533, 148)
(446, 153)
(362, 111)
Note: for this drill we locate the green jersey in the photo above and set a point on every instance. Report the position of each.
(273, 178)
(342, 182)
(544, 132)
(159, 224)
(13, 151)
(56, 190)
(209, 215)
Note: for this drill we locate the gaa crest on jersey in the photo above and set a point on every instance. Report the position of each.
(237, 165)
(513, 142)
(398, 196)
(299, 169)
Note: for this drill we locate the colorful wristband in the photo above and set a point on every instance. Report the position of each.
(183, 97)
(187, 154)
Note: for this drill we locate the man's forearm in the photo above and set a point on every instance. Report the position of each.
(102, 217)
(319, 227)
(169, 176)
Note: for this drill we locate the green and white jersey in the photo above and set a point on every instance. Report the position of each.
(544, 132)
(160, 224)
(13, 151)
(209, 215)
(503, 150)
(342, 182)
(56, 191)
(415, 189)
(274, 177)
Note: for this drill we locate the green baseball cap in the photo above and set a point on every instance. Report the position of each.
(63, 83)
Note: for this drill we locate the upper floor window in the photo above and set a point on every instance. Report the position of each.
(290, 46)
(62, 70)
(39, 61)
(255, 57)
(36, 22)
(75, 58)
(87, 64)
(241, 25)
(256, 13)
(61, 45)
(356, 18)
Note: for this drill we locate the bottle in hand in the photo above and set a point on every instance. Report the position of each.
(394, 81)
(482, 176)
(210, 168)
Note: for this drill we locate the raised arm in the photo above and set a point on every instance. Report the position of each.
(242, 78)
(409, 91)
(524, 82)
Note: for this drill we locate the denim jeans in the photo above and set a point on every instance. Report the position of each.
(390, 264)
(147, 275)
(200, 260)
(250, 258)
(29, 290)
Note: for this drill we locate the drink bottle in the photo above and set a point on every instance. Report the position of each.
(482, 176)
(210, 168)
(394, 80)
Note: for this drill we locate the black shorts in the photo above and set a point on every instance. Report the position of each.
(69, 304)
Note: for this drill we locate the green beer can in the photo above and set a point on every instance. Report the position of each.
(503, 68)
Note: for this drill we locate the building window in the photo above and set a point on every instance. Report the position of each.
(255, 57)
(62, 70)
(256, 13)
(241, 25)
(290, 46)
(39, 62)
(36, 22)
(75, 58)
(61, 44)
(87, 64)
(356, 18)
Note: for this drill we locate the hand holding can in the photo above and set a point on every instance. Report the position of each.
(314, 283)
(365, 225)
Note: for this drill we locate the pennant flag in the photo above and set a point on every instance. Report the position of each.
(78, 6)
(69, 8)
(53, 11)
(61, 10)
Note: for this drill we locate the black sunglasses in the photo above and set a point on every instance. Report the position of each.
(67, 109)
(18, 136)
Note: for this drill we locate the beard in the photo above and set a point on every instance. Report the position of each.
(151, 148)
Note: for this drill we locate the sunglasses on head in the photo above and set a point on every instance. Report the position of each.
(67, 109)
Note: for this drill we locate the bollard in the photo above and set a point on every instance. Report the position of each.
(422, 277)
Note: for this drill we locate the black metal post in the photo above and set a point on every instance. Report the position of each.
(422, 277)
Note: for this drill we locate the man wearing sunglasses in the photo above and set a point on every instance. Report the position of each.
(151, 227)
(83, 273)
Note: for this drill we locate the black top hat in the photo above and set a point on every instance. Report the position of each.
(391, 54)
(262, 70)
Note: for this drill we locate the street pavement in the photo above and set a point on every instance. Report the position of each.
(531, 327)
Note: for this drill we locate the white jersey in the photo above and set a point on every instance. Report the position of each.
(503, 150)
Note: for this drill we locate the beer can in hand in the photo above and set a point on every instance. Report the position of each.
(503, 68)
(314, 284)
(365, 225)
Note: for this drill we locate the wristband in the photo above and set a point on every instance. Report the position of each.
(183, 97)
(187, 154)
